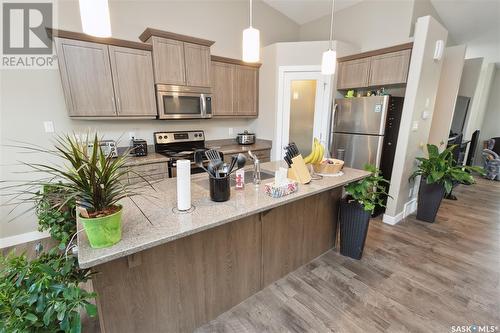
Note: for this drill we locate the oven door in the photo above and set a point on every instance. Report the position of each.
(182, 103)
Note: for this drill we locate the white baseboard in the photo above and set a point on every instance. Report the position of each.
(22, 238)
(409, 208)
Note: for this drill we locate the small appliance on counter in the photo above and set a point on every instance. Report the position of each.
(245, 138)
(139, 147)
(108, 147)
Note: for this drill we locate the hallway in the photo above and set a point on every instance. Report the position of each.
(414, 277)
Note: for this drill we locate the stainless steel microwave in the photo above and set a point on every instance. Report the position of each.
(179, 102)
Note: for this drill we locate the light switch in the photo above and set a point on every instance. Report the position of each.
(427, 102)
(49, 126)
(426, 114)
(414, 127)
(230, 131)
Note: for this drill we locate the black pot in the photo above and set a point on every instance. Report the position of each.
(354, 221)
(429, 200)
(220, 189)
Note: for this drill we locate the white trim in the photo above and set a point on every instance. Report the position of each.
(392, 220)
(409, 208)
(22, 238)
(282, 92)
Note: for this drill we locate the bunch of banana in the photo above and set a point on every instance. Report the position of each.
(316, 155)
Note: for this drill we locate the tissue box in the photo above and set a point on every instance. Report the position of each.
(282, 190)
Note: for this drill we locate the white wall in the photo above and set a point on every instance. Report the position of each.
(368, 24)
(491, 122)
(447, 92)
(286, 54)
(29, 97)
(421, 90)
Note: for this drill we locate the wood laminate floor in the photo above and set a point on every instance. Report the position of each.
(414, 277)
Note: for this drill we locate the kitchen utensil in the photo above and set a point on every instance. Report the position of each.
(240, 162)
(256, 168)
(198, 159)
(213, 155)
(245, 138)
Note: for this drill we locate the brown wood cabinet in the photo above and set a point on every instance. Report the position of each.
(197, 63)
(169, 65)
(387, 66)
(102, 80)
(390, 68)
(147, 172)
(235, 88)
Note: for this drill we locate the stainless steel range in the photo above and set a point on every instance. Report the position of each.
(180, 145)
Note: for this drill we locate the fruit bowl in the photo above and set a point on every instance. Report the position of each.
(328, 165)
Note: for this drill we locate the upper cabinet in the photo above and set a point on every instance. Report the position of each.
(235, 88)
(389, 68)
(102, 80)
(375, 68)
(179, 59)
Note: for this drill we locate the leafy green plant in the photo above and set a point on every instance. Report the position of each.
(43, 295)
(370, 191)
(442, 168)
(61, 221)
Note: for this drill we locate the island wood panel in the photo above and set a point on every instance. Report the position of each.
(132, 71)
(178, 286)
(168, 58)
(298, 232)
(86, 78)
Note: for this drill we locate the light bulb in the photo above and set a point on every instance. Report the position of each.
(251, 44)
(329, 62)
(95, 17)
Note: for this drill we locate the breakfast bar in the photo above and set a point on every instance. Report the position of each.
(173, 272)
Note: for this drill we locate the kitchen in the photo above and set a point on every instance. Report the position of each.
(239, 160)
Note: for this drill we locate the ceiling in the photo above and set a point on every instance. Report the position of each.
(303, 11)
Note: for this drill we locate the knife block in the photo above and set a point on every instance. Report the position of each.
(298, 170)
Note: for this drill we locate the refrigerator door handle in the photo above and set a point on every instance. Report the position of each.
(333, 118)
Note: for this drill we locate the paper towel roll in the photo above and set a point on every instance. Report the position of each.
(183, 184)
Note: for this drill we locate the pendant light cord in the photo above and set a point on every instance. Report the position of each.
(250, 12)
(331, 26)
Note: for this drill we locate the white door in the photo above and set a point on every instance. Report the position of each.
(303, 108)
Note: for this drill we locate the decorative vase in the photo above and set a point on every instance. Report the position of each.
(354, 221)
(429, 200)
(103, 231)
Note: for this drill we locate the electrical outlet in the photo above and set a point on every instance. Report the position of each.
(230, 131)
(49, 126)
(426, 114)
(414, 127)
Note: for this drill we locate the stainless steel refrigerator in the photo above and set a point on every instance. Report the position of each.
(366, 128)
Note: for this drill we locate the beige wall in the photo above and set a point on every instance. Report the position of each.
(421, 89)
(29, 97)
(491, 122)
(447, 92)
(369, 24)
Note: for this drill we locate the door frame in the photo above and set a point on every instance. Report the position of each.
(284, 103)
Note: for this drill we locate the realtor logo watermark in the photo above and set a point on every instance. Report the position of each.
(474, 329)
(25, 42)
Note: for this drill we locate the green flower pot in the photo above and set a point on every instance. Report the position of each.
(103, 231)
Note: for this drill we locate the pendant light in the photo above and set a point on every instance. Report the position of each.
(251, 42)
(329, 61)
(95, 17)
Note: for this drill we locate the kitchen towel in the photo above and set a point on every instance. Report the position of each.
(183, 184)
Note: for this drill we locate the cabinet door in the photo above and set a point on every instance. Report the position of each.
(353, 74)
(168, 57)
(222, 89)
(133, 81)
(197, 60)
(246, 90)
(86, 78)
(390, 68)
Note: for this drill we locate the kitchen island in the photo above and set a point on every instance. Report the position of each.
(174, 272)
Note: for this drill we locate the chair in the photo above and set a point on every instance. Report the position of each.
(491, 160)
(472, 148)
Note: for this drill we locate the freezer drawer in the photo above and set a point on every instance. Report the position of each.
(364, 115)
(359, 149)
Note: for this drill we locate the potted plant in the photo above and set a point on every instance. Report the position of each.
(439, 171)
(44, 294)
(356, 209)
(89, 179)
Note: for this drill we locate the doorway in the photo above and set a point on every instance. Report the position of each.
(303, 108)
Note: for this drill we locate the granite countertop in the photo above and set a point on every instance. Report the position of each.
(230, 146)
(139, 233)
(151, 157)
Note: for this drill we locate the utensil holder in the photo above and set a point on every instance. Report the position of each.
(220, 189)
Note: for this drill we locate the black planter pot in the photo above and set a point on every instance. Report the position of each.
(429, 200)
(354, 221)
